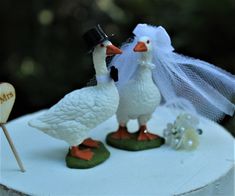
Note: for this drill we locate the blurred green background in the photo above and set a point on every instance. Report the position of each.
(43, 56)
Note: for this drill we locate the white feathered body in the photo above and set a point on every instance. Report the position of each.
(78, 112)
(139, 97)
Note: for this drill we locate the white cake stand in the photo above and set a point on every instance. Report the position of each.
(207, 171)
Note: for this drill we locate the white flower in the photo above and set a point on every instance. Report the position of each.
(183, 134)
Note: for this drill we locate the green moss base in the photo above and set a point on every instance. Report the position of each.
(133, 144)
(100, 155)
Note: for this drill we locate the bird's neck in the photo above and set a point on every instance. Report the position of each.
(144, 69)
(101, 70)
(146, 57)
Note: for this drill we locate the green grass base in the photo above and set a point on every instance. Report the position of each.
(100, 155)
(133, 144)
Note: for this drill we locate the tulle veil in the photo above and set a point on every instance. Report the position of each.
(185, 83)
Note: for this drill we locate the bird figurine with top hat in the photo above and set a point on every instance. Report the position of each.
(78, 112)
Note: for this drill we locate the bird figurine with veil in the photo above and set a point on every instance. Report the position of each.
(152, 74)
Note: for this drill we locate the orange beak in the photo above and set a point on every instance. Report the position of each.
(140, 47)
(111, 50)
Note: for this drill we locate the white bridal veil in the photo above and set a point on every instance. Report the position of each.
(184, 82)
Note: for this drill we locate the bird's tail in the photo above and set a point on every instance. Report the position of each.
(38, 124)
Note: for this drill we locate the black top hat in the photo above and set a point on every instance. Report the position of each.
(94, 36)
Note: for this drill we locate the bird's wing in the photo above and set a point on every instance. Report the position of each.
(73, 105)
(72, 132)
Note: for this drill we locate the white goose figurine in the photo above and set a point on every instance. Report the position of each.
(185, 83)
(139, 97)
(81, 110)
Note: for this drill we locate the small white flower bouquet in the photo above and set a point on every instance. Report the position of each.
(183, 133)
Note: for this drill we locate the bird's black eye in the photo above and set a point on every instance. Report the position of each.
(148, 41)
(101, 45)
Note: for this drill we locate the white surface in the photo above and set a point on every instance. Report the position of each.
(160, 171)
